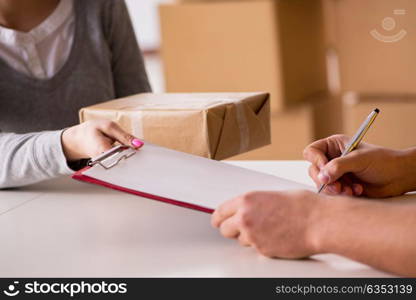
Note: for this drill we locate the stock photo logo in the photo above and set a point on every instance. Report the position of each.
(66, 288)
(389, 25)
(12, 290)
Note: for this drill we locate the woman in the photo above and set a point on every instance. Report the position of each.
(57, 56)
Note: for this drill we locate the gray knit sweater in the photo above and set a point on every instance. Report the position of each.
(105, 63)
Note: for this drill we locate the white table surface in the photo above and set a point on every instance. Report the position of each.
(67, 228)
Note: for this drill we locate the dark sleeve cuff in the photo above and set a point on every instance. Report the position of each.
(79, 164)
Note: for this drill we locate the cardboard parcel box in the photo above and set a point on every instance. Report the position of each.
(376, 44)
(394, 127)
(215, 126)
(243, 46)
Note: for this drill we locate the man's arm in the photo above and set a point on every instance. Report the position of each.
(377, 233)
(302, 223)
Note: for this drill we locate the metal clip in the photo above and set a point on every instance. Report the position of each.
(118, 153)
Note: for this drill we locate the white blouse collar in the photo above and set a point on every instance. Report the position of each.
(61, 13)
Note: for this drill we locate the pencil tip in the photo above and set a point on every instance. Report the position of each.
(377, 110)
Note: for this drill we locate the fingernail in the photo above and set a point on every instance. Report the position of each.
(137, 143)
(323, 176)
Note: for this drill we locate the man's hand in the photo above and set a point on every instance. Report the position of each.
(92, 138)
(300, 224)
(277, 224)
(369, 170)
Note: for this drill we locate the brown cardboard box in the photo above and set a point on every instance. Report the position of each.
(376, 44)
(395, 125)
(292, 131)
(211, 125)
(216, 46)
(327, 115)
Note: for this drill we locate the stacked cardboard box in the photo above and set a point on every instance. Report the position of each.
(374, 42)
(394, 127)
(256, 45)
(296, 49)
(267, 45)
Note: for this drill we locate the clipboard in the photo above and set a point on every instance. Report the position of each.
(177, 178)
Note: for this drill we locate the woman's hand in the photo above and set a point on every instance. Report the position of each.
(369, 170)
(92, 138)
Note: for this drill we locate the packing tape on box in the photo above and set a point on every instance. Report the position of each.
(136, 123)
(243, 127)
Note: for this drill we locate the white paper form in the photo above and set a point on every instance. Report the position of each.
(187, 178)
